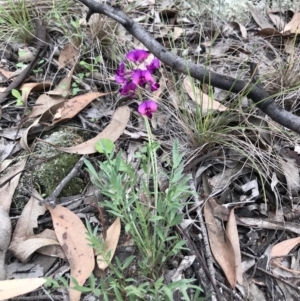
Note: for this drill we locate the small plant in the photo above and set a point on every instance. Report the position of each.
(15, 21)
(148, 214)
(39, 69)
(18, 97)
(150, 223)
(75, 84)
(90, 66)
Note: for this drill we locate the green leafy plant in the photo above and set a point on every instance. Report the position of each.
(15, 21)
(18, 97)
(91, 67)
(149, 224)
(75, 84)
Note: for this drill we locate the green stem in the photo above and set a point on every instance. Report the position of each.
(155, 174)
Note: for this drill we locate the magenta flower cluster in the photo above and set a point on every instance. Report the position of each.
(134, 78)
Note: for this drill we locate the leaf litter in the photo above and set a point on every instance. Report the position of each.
(254, 209)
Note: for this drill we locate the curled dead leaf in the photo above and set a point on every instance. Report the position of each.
(71, 233)
(202, 99)
(24, 241)
(68, 109)
(8, 190)
(111, 242)
(113, 131)
(5, 235)
(16, 287)
(232, 233)
(220, 244)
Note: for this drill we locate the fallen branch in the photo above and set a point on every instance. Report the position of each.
(255, 92)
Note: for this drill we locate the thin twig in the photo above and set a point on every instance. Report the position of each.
(225, 288)
(208, 255)
(279, 279)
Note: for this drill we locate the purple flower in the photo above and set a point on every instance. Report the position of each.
(147, 107)
(141, 77)
(128, 89)
(153, 66)
(154, 86)
(120, 74)
(144, 77)
(137, 55)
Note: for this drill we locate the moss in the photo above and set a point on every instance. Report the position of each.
(54, 166)
(48, 175)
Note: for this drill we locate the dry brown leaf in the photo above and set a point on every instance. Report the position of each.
(23, 140)
(4, 164)
(7, 191)
(236, 25)
(5, 235)
(58, 95)
(290, 170)
(63, 88)
(6, 73)
(33, 87)
(289, 46)
(111, 242)
(268, 32)
(201, 98)
(70, 108)
(50, 250)
(259, 18)
(232, 233)
(17, 287)
(277, 20)
(293, 25)
(71, 233)
(113, 131)
(177, 32)
(220, 244)
(283, 248)
(69, 55)
(24, 242)
(44, 103)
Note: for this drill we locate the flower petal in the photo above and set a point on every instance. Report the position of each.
(120, 79)
(128, 89)
(142, 109)
(147, 106)
(120, 74)
(154, 86)
(147, 76)
(151, 105)
(137, 55)
(136, 76)
(154, 65)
